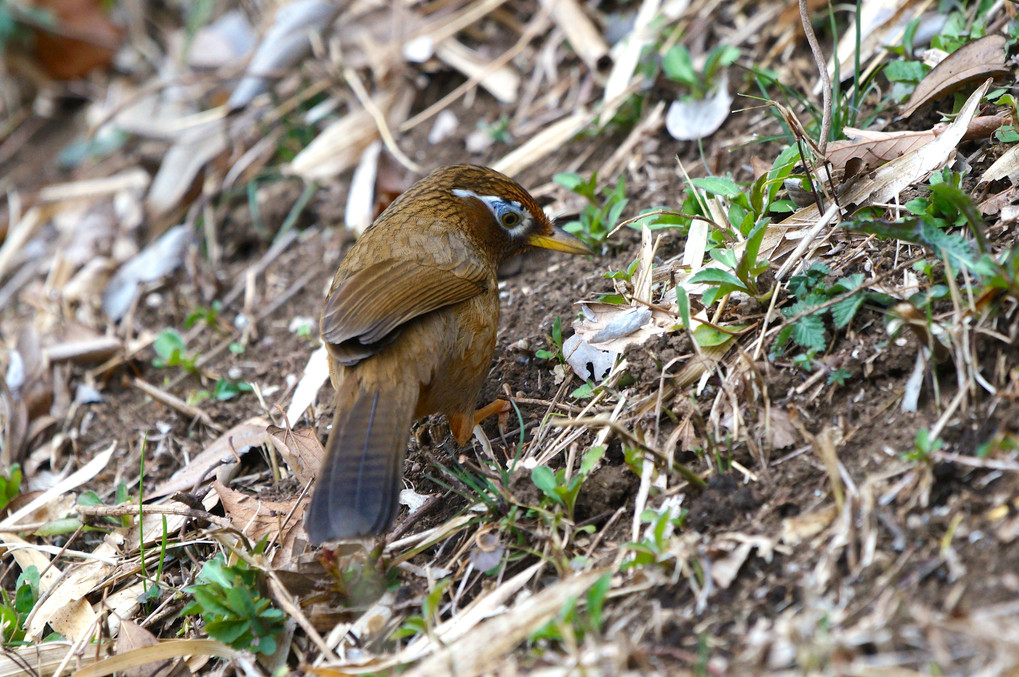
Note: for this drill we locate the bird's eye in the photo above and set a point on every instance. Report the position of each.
(510, 219)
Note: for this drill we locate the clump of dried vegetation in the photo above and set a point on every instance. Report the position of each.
(770, 427)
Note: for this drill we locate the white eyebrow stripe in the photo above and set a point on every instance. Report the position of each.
(490, 201)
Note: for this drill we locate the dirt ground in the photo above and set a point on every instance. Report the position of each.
(861, 561)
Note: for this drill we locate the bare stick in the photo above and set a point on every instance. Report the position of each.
(822, 70)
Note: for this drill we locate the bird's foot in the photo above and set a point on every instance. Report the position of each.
(462, 425)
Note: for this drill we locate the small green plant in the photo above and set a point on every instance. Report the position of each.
(923, 447)
(557, 488)
(429, 617)
(602, 211)
(498, 131)
(556, 340)
(653, 547)
(816, 301)
(678, 66)
(172, 352)
(947, 206)
(572, 624)
(10, 485)
(235, 612)
(208, 316)
(14, 613)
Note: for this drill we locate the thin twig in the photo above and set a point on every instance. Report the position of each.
(173, 402)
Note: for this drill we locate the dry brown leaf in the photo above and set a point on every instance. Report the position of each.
(255, 517)
(65, 608)
(803, 527)
(229, 447)
(995, 203)
(975, 61)
(873, 149)
(895, 176)
(300, 449)
(83, 38)
(133, 636)
(781, 431)
(173, 648)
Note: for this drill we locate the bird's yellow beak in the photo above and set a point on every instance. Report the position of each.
(559, 240)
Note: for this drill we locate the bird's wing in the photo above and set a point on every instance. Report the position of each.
(366, 310)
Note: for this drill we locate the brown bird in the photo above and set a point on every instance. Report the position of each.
(410, 326)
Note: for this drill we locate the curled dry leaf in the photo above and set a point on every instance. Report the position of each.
(605, 331)
(999, 201)
(300, 449)
(781, 431)
(974, 61)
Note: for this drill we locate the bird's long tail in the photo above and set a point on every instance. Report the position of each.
(358, 487)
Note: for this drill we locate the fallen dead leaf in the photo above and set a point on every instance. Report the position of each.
(1007, 166)
(300, 449)
(974, 61)
(803, 527)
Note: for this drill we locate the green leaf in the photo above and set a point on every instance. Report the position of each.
(678, 65)
(717, 276)
(808, 331)
(584, 392)
(844, 311)
(227, 390)
(683, 302)
(544, 479)
(718, 185)
(1007, 134)
(707, 336)
(568, 180)
(591, 459)
(168, 344)
(905, 71)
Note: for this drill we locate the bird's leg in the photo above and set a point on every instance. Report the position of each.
(462, 424)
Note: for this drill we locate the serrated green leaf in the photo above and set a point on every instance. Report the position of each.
(843, 312)
(808, 331)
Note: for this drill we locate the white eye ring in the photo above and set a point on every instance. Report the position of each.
(510, 218)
